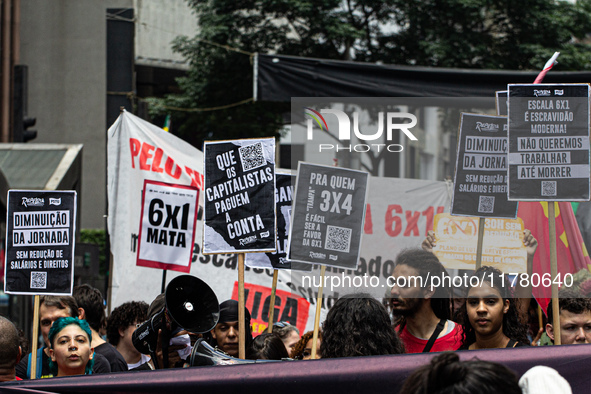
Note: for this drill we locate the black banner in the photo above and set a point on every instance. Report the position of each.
(549, 142)
(239, 196)
(40, 231)
(480, 184)
(328, 214)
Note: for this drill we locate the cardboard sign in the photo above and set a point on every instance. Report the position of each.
(278, 260)
(167, 227)
(40, 232)
(549, 142)
(480, 183)
(457, 237)
(239, 196)
(328, 214)
(288, 307)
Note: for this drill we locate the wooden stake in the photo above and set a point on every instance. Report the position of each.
(272, 302)
(554, 273)
(35, 339)
(481, 222)
(241, 325)
(318, 307)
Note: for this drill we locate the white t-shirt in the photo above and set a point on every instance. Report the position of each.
(145, 358)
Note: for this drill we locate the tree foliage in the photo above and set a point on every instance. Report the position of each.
(493, 34)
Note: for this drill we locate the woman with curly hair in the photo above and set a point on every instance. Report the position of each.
(71, 352)
(489, 316)
(358, 326)
(302, 350)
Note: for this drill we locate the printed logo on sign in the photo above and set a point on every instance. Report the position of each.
(491, 127)
(542, 92)
(33, 202)
(55, 201)
(247, 240)
(402, 121)
(559, 92)
(265, 234)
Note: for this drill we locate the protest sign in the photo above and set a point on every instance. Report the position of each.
(40, 237)
(480, 184)
(501, 102)
(239, 196)
(278, 259)
(549, 142)
(328, 214)
(503, 243)
(167, 228)
(289, 308)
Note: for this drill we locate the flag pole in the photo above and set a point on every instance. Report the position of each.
(241, 325)
(481, 222)
(272, 302)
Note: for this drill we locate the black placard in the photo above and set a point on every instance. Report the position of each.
(549, 142)
(480, 184)
(40, 231)
(327, 217)
(239, 196)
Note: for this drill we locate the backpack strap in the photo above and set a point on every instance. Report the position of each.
(434, 336)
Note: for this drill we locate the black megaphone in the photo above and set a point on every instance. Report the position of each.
(189, 304)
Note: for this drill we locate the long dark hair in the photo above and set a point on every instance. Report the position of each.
(512, 327)
(358, 327)
(266, 346)
(427, 264)
(447, 374)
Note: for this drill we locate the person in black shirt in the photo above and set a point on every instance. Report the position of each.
(90, 308)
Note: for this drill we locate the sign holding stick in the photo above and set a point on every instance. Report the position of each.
(40, 238)
(240, 205)
(239, 196)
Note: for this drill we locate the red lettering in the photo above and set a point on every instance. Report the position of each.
(145, 155)
(169, 166)
(196, 178)
(157, 159)
(412, 220)
(428, 213)
(391, 220)
(134, 146)
(440, 210)
(368, 225)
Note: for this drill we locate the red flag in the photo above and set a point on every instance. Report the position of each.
(571, 253)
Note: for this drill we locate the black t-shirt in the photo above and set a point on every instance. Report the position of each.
(101, 365)
(115, 359)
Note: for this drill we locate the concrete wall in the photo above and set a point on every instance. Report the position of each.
(64, 44)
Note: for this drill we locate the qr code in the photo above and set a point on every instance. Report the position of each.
(486, 204)
(548, 188)
(252, 156)
(38, 280)
(338, 239)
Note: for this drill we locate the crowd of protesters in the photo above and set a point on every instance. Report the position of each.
(413, 320)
